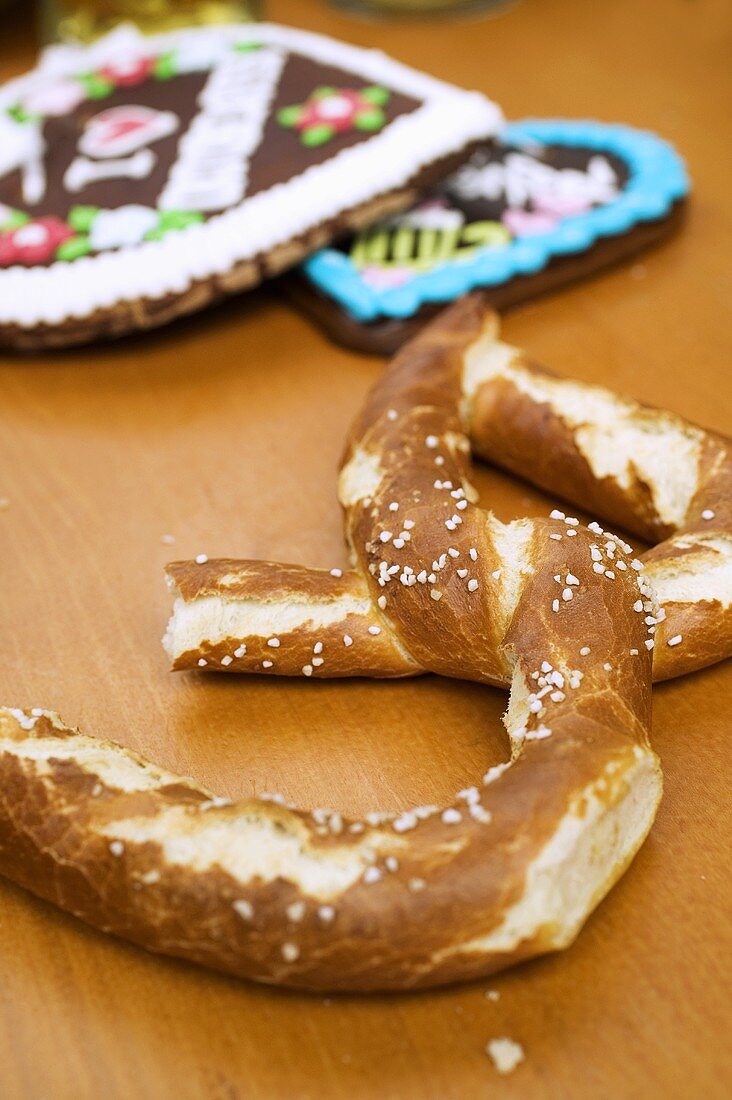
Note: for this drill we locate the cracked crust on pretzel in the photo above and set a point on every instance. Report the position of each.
(265, 891)
(433, 894)
(413, 529)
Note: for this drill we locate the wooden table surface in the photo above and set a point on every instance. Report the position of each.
(105, 450)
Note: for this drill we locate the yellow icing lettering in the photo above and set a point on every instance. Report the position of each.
(423, 249)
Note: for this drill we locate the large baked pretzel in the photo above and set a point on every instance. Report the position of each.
(430, 895)
(415, 536)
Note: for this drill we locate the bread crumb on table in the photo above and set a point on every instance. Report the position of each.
(505, 1053)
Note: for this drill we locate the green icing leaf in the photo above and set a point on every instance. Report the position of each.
(15, 219)
(97, 87)
(370, 120)
(81, 217)
(178, 219)
(19, 114)
(323, 93)
(317, 135)
(73, 248)
(171, 221)
(376, 94)
(247, 47)
(289, 116)
(165, 67)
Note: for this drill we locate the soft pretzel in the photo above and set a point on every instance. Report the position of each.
(432, 894)
(413, 530)
(268, 892)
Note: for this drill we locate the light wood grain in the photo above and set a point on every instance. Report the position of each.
(225, 432)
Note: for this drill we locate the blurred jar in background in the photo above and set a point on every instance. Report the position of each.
(83, 20)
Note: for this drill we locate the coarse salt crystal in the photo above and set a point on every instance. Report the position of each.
(505, 1054)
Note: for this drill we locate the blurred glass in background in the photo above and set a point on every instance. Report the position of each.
(84, 20)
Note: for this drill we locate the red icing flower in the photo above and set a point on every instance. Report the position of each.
(128, 71)
(330, 111)
(35, 242)
(338, 110)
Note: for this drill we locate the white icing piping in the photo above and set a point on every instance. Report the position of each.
(448, 120)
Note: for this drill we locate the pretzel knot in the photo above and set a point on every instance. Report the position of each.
(564, 614)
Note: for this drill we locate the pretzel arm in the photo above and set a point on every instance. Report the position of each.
(286, 620)
(651, 472)
(430, 895)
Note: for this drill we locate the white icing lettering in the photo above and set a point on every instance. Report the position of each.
(212, 170)
(521, 178)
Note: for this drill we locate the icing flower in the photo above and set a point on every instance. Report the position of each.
(96, 230)
(330, 111)
(36, 242)
(127, 71)
(125, 225)
(54, 97)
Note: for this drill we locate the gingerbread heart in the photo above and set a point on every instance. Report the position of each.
(142, 178)
(549, 202)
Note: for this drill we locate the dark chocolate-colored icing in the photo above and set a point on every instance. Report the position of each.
(281, 153)
(554, 156)
(61, 136)
(487, 208)
(280, 156)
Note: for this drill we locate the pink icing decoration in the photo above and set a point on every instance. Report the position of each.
(562, 205)
(385, 278)
(527, 223)
(128, 71)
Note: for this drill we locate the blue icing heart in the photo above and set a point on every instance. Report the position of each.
(656, 180)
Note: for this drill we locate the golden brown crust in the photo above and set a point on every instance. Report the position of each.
(433, 894)
(648, 470)
(157, 860)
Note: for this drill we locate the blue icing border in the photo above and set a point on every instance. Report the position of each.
(657, 180)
